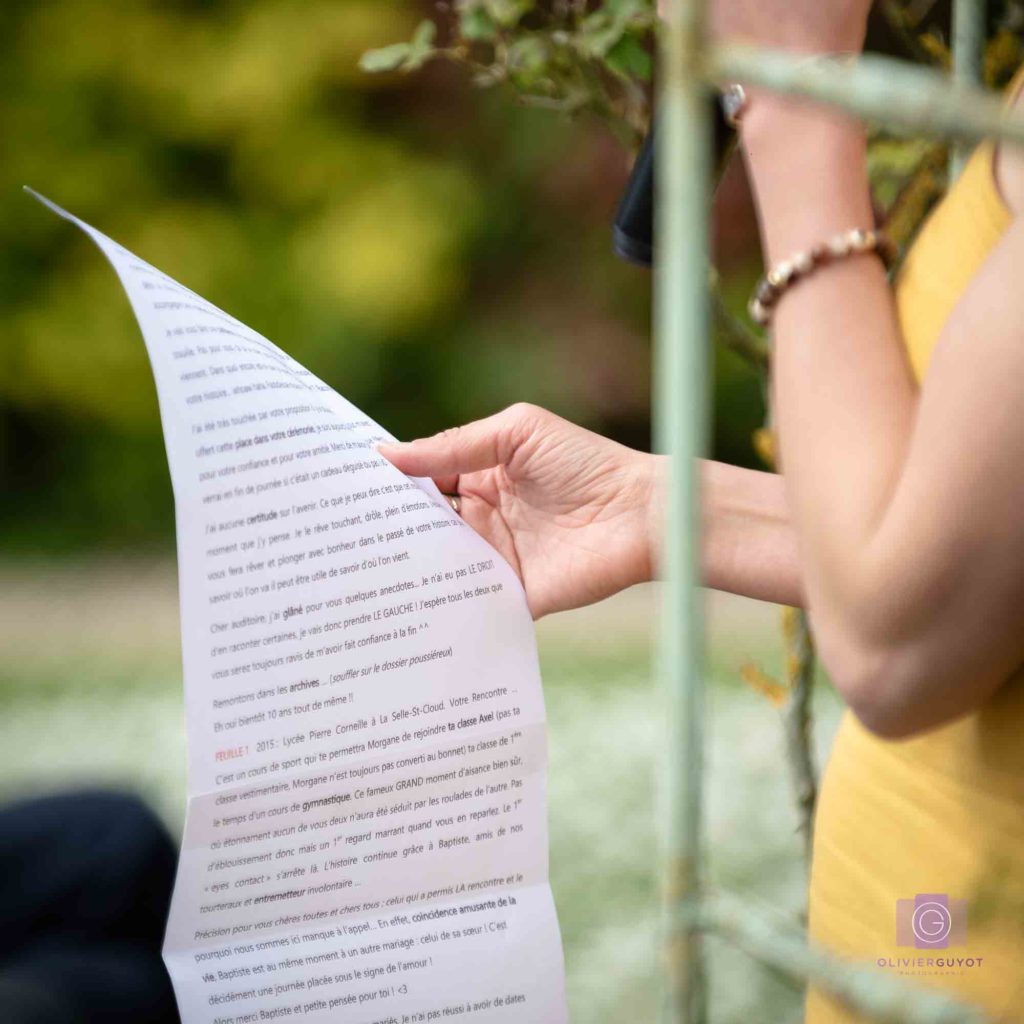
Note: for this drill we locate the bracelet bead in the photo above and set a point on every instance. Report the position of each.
(786, 273)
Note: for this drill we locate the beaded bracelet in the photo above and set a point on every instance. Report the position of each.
(784, 275)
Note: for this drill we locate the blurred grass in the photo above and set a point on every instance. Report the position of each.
(90, 691)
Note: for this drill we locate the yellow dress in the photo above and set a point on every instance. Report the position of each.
(905, 823)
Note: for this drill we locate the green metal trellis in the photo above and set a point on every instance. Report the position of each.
(897, 96)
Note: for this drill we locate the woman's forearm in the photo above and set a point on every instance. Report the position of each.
(748, 545)
(844, 396)
(875, 555)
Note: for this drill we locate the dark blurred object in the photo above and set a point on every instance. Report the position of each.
(85, 884)
(633, 229)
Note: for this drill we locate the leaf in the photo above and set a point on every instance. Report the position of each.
(601, 31)
(933, 45)
(476, 24)
(762, 683)
(764, 445)
(597, 37)
(528, 59)
(791, 626)
(1002, 58)
(506, 13)
(387, 58)
(421, 46)
(405, 56)
(486, 79)
(630, 59)
(622, 10)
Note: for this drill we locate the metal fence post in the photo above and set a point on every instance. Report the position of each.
(681, 423)
(901, 98)
(968, 45)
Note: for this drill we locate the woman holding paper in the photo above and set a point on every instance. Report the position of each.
(897, 522)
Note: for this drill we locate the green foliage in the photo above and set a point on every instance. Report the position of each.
(908, 174)
(567, 55)
(409, 56)
(198, 140)
(387, 230)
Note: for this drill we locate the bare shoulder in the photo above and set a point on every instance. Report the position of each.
(1009, 163)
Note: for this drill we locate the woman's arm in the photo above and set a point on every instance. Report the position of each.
(579, 517)
(906, 504)
(748, 545)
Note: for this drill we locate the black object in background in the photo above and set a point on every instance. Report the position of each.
(633, 229)
(85, 886)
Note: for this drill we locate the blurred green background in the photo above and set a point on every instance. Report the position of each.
(431, 251)
(434, 253)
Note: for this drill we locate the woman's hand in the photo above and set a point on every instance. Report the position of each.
(580, 517)
(571, 511)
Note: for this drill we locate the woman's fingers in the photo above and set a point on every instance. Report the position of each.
(480, 445)
(447, 484)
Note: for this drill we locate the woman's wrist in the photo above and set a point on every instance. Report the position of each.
(772, 117)
(730, 499)
(653, 470)
(807, 166)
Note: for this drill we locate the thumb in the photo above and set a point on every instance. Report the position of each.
(480, 445)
